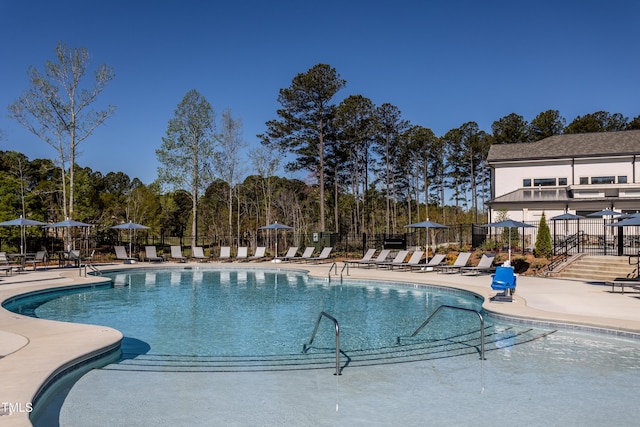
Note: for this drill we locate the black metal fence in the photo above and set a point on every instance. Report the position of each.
(591, 236)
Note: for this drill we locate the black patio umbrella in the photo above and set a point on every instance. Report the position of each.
(130, 226)
(22, 223)
(426, 225)
(276, 226)
(509, 223)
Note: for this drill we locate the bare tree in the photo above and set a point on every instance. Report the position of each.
(227, 159)
(187, 151)
(57, 108)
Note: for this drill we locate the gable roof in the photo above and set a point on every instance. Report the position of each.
(597, 144)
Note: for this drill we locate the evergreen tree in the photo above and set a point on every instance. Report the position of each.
(544, 248)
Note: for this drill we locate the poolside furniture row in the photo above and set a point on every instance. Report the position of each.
(417, 262)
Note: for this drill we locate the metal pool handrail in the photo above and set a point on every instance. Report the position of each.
(307, 346)
(454, 308)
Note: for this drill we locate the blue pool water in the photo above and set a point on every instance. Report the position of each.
(212, 312)
(558, 379)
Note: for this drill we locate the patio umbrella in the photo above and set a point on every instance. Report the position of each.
(602, 214)
(634, 221)
(426, 225)
(129, 226)
(68, 223)
(276, 226)
(565, 216)
(22, 223)
(509, 223)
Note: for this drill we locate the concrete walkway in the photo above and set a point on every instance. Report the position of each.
(34, 350)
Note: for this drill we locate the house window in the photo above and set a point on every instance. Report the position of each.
(603, 179)
(562, 181)
(622, 179)
(526, 183)
(544, 182)
(584, 180)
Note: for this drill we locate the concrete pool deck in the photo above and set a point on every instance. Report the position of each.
(33, 350)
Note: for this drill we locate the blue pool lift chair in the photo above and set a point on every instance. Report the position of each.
(504, 280)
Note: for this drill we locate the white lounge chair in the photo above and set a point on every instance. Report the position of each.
(365, 259)
(198, 253)
(225, 253)
(461, 261)
(382, 257)
(176, 254)
(400, 257)
(151, 255)
(308, 253)
(243, 253)
(121, 254)
(291, 253)
(437, 260)
(414, 260)
(259, 254)
(324, 256)
(484, 266)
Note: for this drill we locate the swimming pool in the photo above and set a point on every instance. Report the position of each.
(574, 378)
(220, 312)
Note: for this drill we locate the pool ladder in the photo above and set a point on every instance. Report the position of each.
(307, 346)
(453, 308)
(84, 267)
(334, 267)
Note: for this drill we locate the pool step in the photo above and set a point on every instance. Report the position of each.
(413, 351)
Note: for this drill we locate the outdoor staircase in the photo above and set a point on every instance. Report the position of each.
(599, 268)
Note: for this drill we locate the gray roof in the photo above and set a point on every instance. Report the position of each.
(598, 144)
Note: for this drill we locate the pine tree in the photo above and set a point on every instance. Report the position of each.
(543, 241)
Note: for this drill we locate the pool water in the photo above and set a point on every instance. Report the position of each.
(212, 312)
(558, 379)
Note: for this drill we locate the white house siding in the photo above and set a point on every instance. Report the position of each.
(589, 168)
(509, 177)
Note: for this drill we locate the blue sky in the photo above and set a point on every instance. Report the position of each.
(442, 63)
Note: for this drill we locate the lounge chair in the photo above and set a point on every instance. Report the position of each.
(484, 266)
(121, 254)
(88, 258)
(434, 262)
(198, 253)
(400, 257)
(622, 282)
(259, 254)
(291, 253)
(504, 280)
(365, 259)
(176, 254)
(307, 254)
(225, 253)
(382, 257)
(461, 261)
(151, 255)
(243, 253)
(414, 260)
(324, 256)
(40, 257)
(7, 265)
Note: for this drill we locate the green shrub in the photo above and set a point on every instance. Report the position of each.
(544, 248)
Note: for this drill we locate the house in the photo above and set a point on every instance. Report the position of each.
(573, 173)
